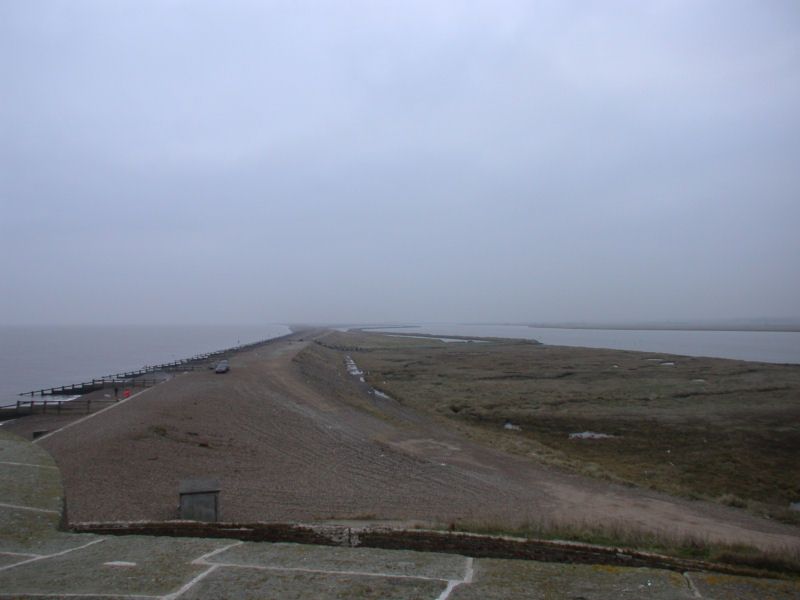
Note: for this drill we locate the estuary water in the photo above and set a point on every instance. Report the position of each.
(762, 346)
(37, 357)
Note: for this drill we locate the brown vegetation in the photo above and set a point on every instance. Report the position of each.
(706, 428)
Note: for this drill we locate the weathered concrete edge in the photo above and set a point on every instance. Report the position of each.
(422, 540)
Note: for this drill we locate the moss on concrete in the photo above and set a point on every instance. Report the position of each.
(511, 580)
(712, 585)
(362, 560)
(160, 566)
(16, 449)
(255, 584)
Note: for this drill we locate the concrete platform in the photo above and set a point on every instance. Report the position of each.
(39, 561)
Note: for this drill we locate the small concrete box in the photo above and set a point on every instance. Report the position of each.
(199, 499)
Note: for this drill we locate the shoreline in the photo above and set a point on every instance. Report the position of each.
(24, 372)
(709, 328)
(771, 347)
(677, 326)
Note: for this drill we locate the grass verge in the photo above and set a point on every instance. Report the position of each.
(782, 563)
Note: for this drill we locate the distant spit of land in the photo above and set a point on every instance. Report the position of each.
(788, 326)
(750, 325)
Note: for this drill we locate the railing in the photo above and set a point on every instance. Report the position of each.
(188, 364)
(131, 379)
(31, 406)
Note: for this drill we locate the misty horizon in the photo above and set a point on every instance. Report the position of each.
(746, 324)
(181, 163)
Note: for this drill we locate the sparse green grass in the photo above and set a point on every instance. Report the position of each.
(731, 438)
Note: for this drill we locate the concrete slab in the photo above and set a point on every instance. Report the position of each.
(11, 559)
(251, 583)
(159, 566)
(34, 487)
(721, 587)
(359, 560)
(513, 579)
(35, 532)
(19, 450)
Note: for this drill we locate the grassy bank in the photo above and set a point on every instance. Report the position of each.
(784, 563)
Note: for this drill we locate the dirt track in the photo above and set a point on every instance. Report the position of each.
(286, 452)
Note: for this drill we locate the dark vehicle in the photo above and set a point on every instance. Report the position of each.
(222, 367)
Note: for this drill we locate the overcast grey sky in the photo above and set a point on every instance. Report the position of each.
(187, 161)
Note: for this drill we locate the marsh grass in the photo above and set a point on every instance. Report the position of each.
(703, 428)
(744, 465)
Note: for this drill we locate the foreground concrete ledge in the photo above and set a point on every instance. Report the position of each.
(422, 540)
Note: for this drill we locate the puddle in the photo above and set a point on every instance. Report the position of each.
(589, 435)
(352, 367)
(664, 363)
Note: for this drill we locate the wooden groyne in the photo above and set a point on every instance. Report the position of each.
(127, 379)
(79, 404)
(187, 364)
(132, 379)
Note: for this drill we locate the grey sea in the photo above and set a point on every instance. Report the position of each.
(37, 357)
(761, 346)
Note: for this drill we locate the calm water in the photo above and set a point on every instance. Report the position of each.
(32, 358)
(774, 347)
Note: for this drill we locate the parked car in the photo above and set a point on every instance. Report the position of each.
(222, 367)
